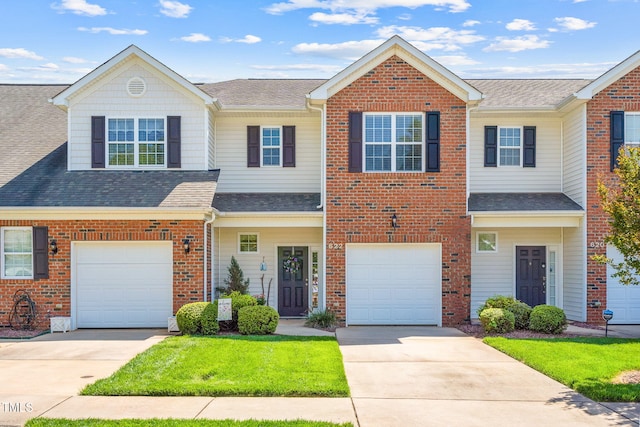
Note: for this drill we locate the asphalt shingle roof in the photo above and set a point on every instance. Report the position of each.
(262, 93)
(267, 202)
(48, 184)
(493, 202)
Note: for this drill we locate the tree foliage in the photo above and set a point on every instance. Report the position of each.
(621, 201)
(235, 281)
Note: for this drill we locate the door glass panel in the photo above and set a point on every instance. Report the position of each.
(552, 278)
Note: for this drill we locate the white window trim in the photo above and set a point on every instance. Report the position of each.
(478, 250)
(135, 142)
(2, 267)
(519, 147)
(626, 143)
(262, 147)
(393, 141)
(248, 233)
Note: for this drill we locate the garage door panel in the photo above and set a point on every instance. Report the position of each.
(124, 284)
(393, 284)
(623, 300)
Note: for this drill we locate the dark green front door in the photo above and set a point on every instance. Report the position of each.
(293, 286)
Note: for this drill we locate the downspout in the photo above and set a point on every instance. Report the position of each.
(204, 290)
(323, 187)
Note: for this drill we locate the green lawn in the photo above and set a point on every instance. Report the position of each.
(231, 365)
(57, 422)
(586, 365)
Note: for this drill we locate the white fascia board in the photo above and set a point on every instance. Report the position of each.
(269, 219)
(533, 219)
(415, 57)
(62, 98)
(101, 213)
(611, 76)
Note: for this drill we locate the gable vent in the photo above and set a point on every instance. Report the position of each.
(136, 86)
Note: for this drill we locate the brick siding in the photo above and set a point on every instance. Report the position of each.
(431, 207)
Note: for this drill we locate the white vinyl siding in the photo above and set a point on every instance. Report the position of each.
(231, 154)
(108, 97)
(494, 273)
(574, 155)
(225, 245)
(545, 177)
(212, 139)
(574, 273)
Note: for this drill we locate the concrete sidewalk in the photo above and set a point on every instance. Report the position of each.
(399, 376)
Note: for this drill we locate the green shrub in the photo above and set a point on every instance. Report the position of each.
(322, 319)
(209, 319)
(497, 301)
(521, 311)
(235, 280)
(257, 320)
(189, 317)
(497, 320)
(238, 301)
(547, 319)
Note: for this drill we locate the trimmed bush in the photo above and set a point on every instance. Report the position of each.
(209, 319)
(322, 319)
(497, 301)
(189, 317)
(521, 311)
(257, 320)
(497, 320)
(547, 319)
(238, 301)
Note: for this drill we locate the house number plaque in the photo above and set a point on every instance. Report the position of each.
(337, 246)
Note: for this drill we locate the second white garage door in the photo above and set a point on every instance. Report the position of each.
(123, 284)
(623, 300)
(394, 284)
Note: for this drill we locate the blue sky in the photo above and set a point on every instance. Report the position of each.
(59, 41)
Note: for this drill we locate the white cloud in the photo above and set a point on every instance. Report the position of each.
(113, 31)
(316, 68)
(558, 71)
(470, 23)
(521, 25)
(80, 7)
(455, 60)
(517, 44)
(74, 60)
(19, 53)
(579, 1)
(3, 67)
(248, 39)
(369, 6)
(350, 50)
(572, 24)
(443, 38)
(343, 18)
(174, 9)
(404, 17)
(49, 66)
(196, 38)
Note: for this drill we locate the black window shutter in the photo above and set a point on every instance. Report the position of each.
(40, 253)
(491, 146)
(355, 141)
(529, 147)
(433, 141)
(98, 142)
(616, 136)
(289, 146)
(253, 146)
(174, 140)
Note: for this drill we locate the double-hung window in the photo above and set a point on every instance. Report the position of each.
(132, 143)
(632, 129)
(393, 142)
(16, 246)
(271, 146)
(510, 146)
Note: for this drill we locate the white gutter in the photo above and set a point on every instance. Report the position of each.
(323, 141)
(204, 290)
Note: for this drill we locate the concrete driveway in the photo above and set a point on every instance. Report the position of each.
(421, 376)
(37, 374)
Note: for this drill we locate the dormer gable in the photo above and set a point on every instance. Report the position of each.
(610, 77)
(402, 49)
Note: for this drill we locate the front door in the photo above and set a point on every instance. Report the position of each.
(531, 275)
(293, 287)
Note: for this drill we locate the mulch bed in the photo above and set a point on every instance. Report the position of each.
(478, 332)
(9, 333)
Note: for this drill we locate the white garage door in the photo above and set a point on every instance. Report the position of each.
(123, 284)
(394, 284)
(623, 300)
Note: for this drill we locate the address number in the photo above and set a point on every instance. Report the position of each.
(597, 244)
(337, 246)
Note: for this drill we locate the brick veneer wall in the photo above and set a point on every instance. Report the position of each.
(623, 95)
(47, 293)
(431, 207)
